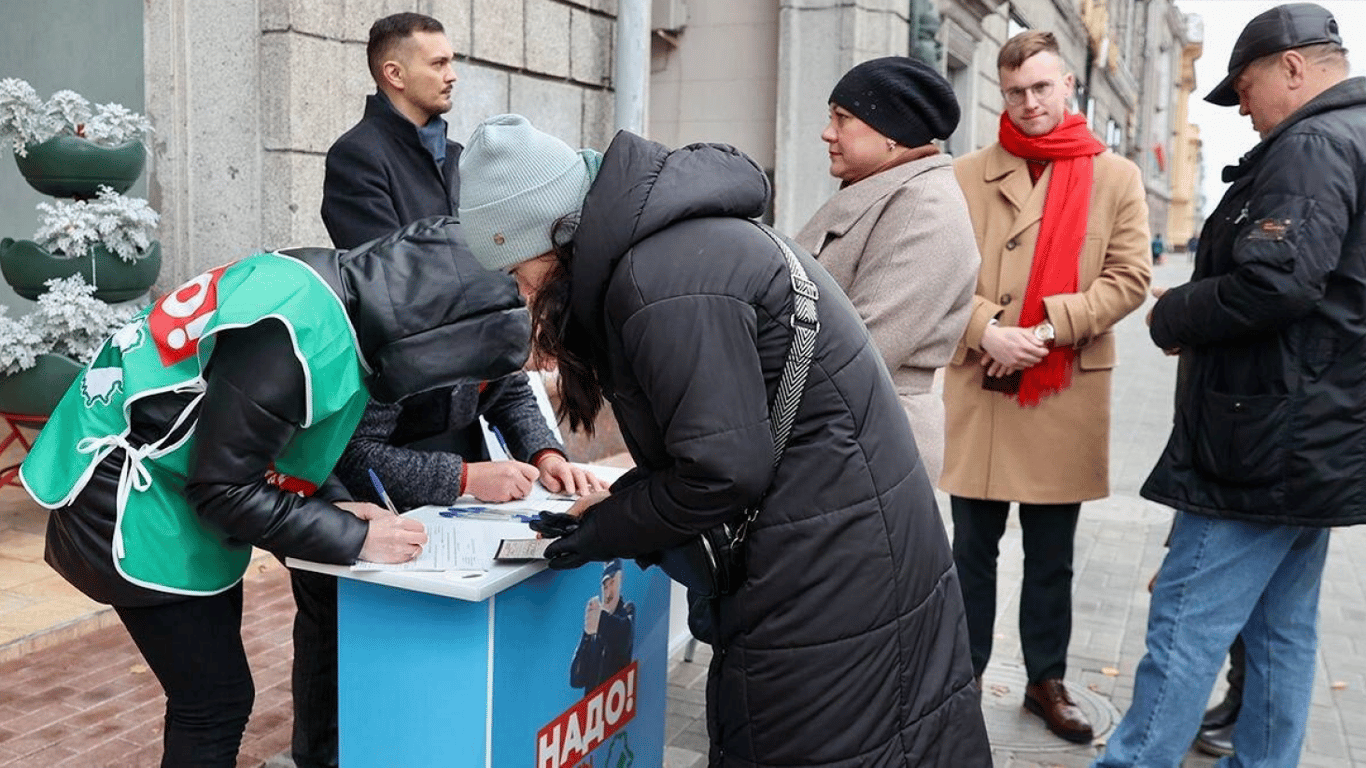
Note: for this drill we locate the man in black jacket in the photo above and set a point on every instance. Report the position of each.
(608, 640)
(396, 165)
(1265, 454)
(392, 168)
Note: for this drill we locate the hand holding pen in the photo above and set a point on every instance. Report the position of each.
(381, 493)
(391, 538)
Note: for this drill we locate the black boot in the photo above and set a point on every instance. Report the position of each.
(1216, 741)
(1223, 714)
(1216, 729)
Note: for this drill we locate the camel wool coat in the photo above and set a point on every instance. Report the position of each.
(1058, 451)
(900, 245)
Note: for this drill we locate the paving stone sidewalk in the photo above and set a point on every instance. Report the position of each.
(77, 695)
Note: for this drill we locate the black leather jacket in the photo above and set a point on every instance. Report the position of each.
(1270, 422)
(406, 296)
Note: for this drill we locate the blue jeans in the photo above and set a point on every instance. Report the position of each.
(1221, 577)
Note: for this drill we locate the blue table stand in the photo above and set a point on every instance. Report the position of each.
(449, 670)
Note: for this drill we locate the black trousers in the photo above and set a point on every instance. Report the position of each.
(1045, 591)
(314, 676)
(194, 647)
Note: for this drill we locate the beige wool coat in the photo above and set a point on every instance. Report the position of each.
(1058, 451)
(901, 246)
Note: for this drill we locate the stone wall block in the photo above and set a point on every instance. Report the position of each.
(277, 103)
(322, 97)
(291, 202)
(591, 40)
(547, 37)
(556, 108)
(482, 92)
(599, 119)
(205, 177)
(499, 32)
(454, 15)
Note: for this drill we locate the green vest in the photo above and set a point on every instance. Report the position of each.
(159, 542)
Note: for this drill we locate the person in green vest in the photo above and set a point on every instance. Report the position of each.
(211, 423)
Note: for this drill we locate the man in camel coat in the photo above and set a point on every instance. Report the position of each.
(1062, 227)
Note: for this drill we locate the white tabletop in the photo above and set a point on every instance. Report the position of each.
(461, 585)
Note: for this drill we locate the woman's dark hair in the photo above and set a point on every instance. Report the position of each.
(555, 335)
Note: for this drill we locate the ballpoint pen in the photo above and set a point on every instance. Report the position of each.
(502, 442)
(383, 494)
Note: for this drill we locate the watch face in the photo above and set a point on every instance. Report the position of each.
(1043, 331)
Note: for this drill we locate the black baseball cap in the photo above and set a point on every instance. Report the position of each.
(1284, 27)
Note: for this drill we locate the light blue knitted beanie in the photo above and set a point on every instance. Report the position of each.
(515, 183)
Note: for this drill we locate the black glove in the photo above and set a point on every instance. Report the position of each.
(578, 547)
(553, 525)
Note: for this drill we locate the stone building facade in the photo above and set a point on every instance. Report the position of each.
(715, 78)
(249, 94)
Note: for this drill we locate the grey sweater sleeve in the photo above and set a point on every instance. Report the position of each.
(413, 478)
(510, 405)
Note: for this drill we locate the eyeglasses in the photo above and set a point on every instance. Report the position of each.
(1016, 96)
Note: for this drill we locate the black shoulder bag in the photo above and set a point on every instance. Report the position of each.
(713, 562)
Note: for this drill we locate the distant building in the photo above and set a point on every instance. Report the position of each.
(246, 95)
(757, 75)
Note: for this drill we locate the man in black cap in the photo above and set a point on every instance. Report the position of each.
(1265, 453)
(608, 640)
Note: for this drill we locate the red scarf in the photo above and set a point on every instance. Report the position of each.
(1062, 233)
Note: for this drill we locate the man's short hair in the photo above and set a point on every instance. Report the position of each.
(1319, 54)
(1019, 48)
(387, 33)
(1326, 54)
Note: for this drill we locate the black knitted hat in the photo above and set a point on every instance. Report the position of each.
(901, 98)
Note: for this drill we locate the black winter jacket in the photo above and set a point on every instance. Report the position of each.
(846, 645)
(1270, 421)
(253, 404)
(380, 177)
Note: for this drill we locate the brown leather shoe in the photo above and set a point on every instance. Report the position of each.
(1050, 701)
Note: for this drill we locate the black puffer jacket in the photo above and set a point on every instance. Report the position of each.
(847, 644)
(403, 293)
(1270, 421)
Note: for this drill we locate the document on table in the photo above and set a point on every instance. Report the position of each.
(522, 549)
(456, 543)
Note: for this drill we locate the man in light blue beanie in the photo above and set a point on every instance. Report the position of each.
(513, 179)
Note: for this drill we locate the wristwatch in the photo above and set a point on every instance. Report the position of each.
(1044, 332)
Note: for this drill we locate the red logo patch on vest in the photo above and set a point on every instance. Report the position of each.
(289, 483)
(178, 320)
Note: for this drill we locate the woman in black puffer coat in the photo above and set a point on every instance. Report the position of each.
(846, 643)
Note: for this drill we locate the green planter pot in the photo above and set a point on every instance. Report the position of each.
(36, 391)
(69, 166)
(27, 265)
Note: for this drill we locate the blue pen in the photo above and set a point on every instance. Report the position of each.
(383, 494)
(484, 513)
(502, 443)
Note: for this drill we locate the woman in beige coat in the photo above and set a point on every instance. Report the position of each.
(896, 236)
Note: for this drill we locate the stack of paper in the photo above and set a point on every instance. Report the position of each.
(468, 537)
